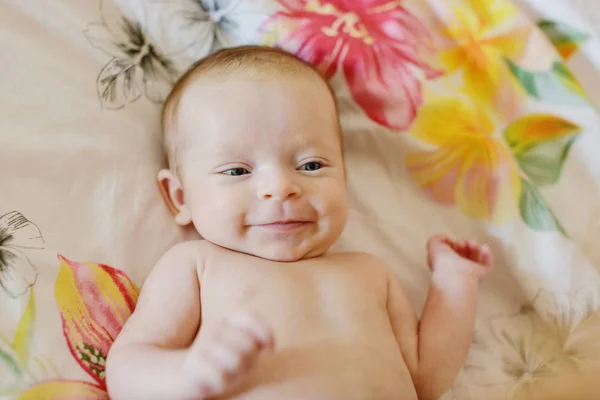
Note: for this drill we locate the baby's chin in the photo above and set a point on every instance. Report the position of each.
(280, 253)
(286, 255)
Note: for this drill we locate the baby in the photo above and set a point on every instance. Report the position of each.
(260, 309)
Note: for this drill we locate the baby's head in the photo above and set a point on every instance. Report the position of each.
(255, 156)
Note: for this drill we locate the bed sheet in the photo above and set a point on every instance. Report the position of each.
(463, 116)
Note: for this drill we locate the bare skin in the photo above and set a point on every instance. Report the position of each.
(260, 309)
(332, 327)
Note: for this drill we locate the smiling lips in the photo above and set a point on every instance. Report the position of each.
(285, 226)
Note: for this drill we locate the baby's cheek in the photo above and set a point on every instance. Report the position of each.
(337, 202)
(228, 208)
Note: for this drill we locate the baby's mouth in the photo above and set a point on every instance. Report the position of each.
(285, 226)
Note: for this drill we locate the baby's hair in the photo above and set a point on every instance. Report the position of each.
(254, 62)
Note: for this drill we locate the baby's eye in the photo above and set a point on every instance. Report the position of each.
(311, 166)
(236, 172)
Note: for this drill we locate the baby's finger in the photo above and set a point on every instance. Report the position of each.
(485, 255)
(214, 382)
(223, 357)
(472, 244)
(253, 326)
(239, 340)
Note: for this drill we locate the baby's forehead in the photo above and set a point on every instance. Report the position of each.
(239, 95)
(201, 95)
(203, 85)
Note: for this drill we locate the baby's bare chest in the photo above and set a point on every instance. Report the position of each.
(333, 338)
(311, 300)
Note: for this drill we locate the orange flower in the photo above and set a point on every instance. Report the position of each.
(94, 300)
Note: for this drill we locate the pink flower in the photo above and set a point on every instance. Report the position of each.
(375, 42)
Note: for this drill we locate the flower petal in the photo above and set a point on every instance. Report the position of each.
(484, 77)
(17, 273)
(18, 231)
(512, 44)
(482, 45)
(479, 176)
(64, 390)
(437, 173)
(94, 300)
(378, 44)
(470, 169)
(388, 92)
(18, 235)
(463, 27)
(117, 83)
(101, 38)
(127, 34)
(453, 58)
(159, 75)
(489, 184)
(448, 122)
(305, 37)
(491, 13)
(532, 130)
(194, 27)
(24, 332)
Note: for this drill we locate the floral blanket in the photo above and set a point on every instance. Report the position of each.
(465, 116)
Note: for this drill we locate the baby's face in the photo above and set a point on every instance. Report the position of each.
(261, 168)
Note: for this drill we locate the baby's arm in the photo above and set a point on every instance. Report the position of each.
(436, 347)
(159, 353)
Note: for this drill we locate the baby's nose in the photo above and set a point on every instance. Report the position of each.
(279, 187)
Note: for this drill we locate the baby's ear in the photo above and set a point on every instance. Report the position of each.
(172, 191)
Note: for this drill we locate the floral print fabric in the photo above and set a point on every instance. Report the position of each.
(495, 131)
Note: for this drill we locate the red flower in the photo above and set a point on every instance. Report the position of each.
(375, 42)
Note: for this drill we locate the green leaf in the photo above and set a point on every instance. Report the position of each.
(564, 37)
(541, 143)
(13, 365)
(556, 86)
(535, 212)
(24, 333)
(543, 163)
(564, 75)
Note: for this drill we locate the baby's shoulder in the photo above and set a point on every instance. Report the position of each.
(189, 253)
(187, 248)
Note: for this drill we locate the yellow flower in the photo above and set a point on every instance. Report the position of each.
(470, 166)
(484, 34)
(490, 171)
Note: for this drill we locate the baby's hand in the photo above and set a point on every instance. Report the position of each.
(219, 362)
(464, 255)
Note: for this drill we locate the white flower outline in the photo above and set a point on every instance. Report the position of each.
(18, 236)
(551, 335)
(136, 65)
